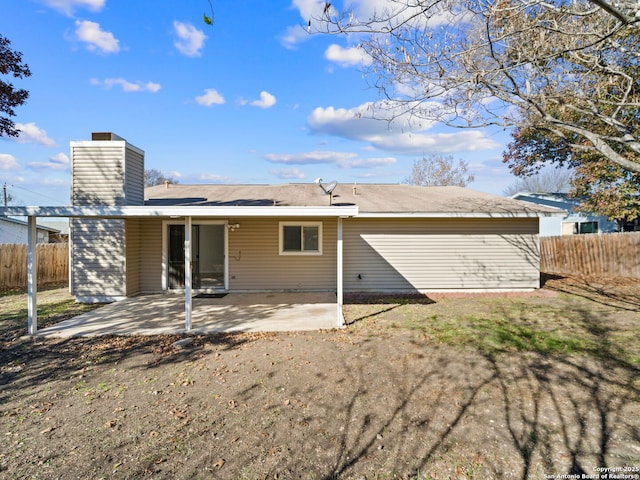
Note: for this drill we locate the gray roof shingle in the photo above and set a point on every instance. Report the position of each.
(370, 198)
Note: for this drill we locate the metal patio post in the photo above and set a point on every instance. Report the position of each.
(339, 289)
(188, 304)
(32, 276)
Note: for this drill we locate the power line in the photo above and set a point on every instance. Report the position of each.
(34, 193)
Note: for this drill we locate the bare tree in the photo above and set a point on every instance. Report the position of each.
(438, 170)
(470, 63)
(156, 177)
(550, 180)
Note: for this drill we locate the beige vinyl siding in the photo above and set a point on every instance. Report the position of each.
(98, 174)
(255, 262)
(134, 177)
(151, 255)
(440, 254)
(98, 258)
(133, 249)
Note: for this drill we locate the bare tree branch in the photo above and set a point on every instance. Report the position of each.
(470, 64)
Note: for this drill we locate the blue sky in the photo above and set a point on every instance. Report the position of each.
(253, 99)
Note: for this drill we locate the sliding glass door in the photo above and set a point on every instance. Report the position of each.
(207, 256)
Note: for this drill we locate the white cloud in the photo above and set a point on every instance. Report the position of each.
(347, 57)
(8, 162)
(210, 177)
(412, 13)
(386, 127)
(190, 40)
(362, 11)
(68, 6)
(288, 173)
(60, 161)
(340, 159)
(464, 141)
(96, 38)
(310, 11)
(371, 162)
(126, 85)
(31, 133)
(310, 158)
(266, 100)
(293, 36)
(210, 97)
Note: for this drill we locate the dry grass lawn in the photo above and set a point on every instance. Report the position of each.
(460, 387)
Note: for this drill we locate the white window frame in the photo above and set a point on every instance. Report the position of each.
(299, 224)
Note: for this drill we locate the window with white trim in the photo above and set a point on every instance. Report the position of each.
(580, 228)
(300, 238)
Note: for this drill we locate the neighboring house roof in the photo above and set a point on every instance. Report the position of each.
(59, 226)
(552, 199)
(379, 199)
(22, 222)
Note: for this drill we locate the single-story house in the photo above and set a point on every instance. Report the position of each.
(14, 230)
(573, 222)
(127, 240)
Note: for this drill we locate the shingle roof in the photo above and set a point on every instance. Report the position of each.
(39, 226)
(370, 198)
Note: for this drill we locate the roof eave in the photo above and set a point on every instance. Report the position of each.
(458, 214)
(181, 211)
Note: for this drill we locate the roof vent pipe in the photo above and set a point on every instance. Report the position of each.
(166, 183)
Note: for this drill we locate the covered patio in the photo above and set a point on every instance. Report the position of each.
(235, 312)
(171, 313)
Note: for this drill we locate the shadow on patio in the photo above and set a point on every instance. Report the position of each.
(236, 312)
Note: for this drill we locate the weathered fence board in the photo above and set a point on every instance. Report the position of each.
(53, 264)
(611, 254)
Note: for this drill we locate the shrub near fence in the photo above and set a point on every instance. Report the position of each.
(610, 254)
(53, 264)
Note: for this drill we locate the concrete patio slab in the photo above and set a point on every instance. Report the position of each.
(235, 312)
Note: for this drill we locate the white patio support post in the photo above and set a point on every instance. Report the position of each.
(187, 275)
(339, 292)
(32, 276)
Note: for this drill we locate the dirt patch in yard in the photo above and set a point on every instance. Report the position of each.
(517, 386)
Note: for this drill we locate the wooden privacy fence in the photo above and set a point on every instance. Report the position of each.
(53, 264)
(611, 254)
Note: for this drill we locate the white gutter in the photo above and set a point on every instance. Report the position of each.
(460, 214)
(181, 211)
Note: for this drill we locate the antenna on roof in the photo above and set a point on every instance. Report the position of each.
(328, 188)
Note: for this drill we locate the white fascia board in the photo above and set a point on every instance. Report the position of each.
(458, 214)
(180, 211)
